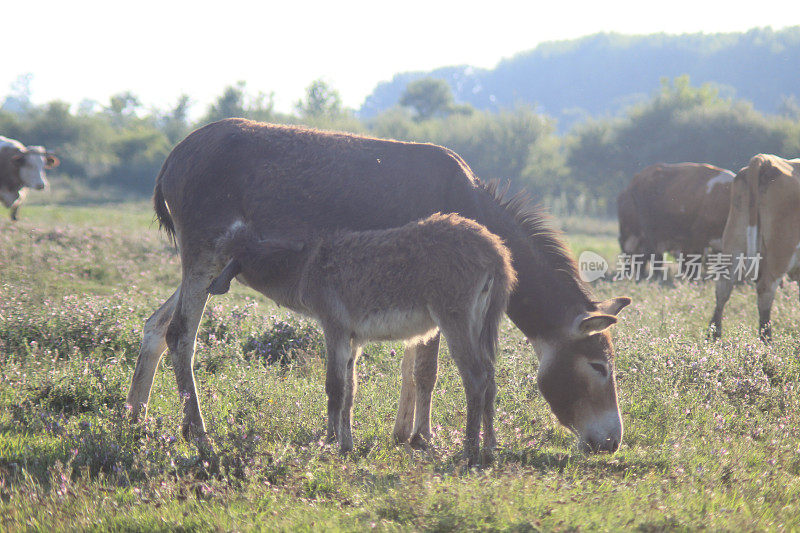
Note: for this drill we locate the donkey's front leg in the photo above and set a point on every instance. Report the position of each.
(426, 367)
(350, 385)
(181, 338)
(154, 344)
(404, 422)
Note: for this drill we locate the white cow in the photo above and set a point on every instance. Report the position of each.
(22, 168)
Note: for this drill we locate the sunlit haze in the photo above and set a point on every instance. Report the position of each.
(160, 50)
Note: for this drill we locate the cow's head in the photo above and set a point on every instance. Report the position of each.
(32, 163)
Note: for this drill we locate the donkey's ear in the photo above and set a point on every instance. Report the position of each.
(613, 306)
(594, 323)
(277, 245)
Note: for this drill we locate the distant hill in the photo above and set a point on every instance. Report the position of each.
(603, 73)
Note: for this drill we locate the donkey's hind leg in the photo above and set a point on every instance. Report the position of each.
(181, 338)
(154, 344)
(419, 362)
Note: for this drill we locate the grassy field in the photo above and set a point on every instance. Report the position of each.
(711, 438)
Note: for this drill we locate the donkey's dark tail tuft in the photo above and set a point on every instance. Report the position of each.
(162, 212)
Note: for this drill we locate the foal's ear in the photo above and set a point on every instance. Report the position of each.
(613, 306)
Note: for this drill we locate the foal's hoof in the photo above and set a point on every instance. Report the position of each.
(488, 456)
(418, 442)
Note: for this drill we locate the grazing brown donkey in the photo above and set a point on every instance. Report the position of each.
(290, 182)
(444, 273)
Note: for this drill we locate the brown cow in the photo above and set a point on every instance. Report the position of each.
(291, 182)
(764, 219)
(21, 168)
(677, 208)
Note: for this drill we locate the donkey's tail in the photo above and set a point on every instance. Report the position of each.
(162, 210)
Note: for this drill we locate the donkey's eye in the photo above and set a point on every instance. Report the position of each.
(600, 368)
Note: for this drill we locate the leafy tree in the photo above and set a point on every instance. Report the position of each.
(229, 104)
(19, 100)
(321, 100)
(175, 123)
(122, 107)
(236, 102)
(428, 97)
(679, 123)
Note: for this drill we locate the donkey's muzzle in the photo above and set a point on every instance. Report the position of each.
(609, 445)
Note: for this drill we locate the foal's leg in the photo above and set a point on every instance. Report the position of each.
(339, 350)
(474, 375)
(181, 338)
(489, 437)
(425, 369)
(154, 344)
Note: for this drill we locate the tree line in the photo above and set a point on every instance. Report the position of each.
(604, 72)
(121, 145)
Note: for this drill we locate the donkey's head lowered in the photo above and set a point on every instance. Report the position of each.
(576, 377)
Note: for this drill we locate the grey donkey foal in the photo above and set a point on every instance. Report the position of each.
(443, 273)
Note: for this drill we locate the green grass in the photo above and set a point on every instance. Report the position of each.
(712, 431)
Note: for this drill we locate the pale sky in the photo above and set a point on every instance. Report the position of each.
(87, 49)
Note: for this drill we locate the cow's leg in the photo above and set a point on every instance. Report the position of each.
(154, 344)
(339, 350)
(766, 295)
(13, 213)
(181, 338)
(426, 367)
(722, 288)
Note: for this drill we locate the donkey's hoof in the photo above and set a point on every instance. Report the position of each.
(193, 433)
(135, 413)
(400, 437)
(418, 442)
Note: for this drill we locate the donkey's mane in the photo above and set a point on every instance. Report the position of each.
(535, 224)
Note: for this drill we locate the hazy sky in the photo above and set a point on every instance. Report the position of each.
(161, 49)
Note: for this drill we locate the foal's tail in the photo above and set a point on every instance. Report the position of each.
(499, 286)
